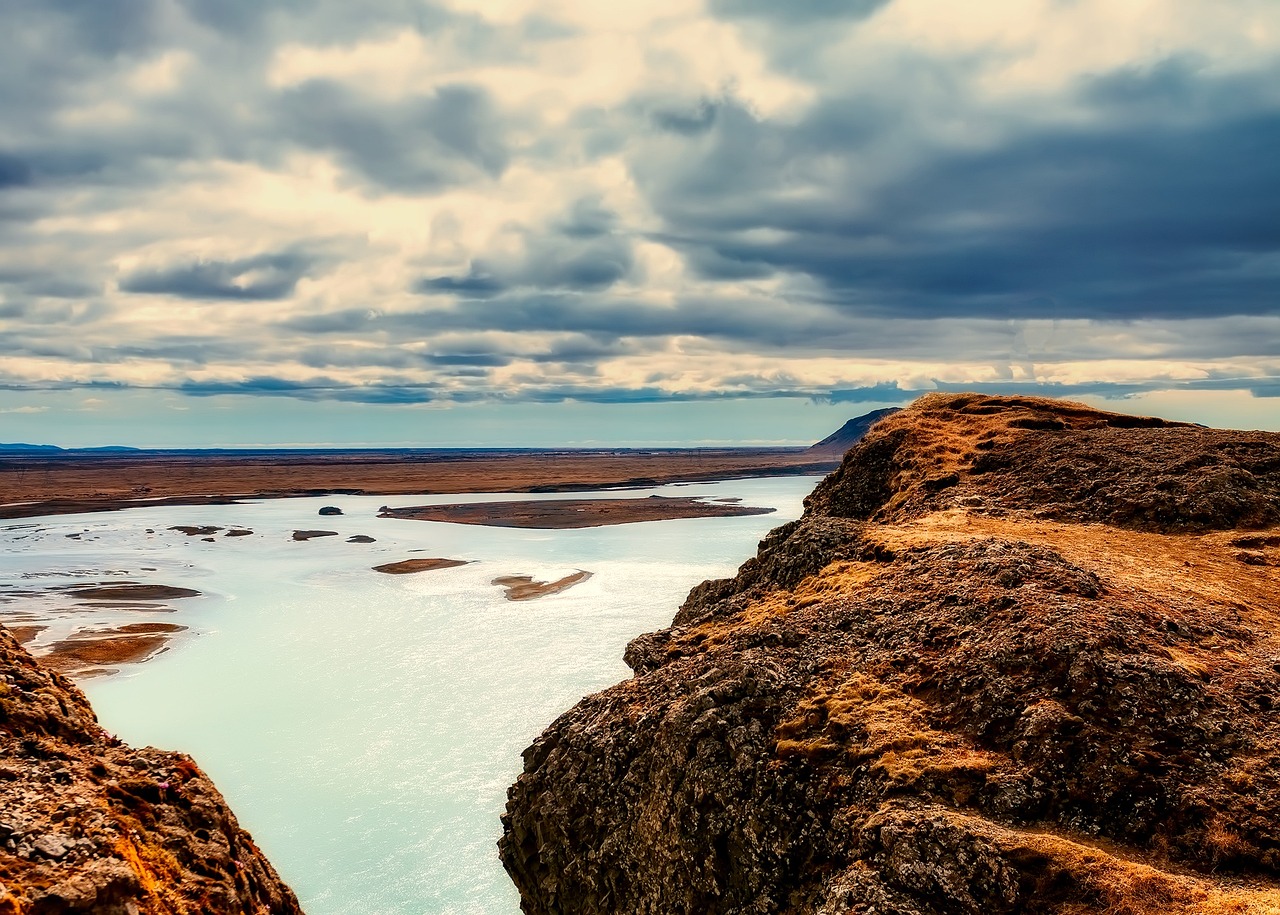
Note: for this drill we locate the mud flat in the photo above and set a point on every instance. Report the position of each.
(565, 514)
(94, 652)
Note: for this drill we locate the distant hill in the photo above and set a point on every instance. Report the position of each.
(24, 448)
(851, 433)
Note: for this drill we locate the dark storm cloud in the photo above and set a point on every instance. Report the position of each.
(690, 119)
(103, 27)
(260, 278)
(604, 319)
(1164, 217)
(473, 284)
(14, 172)
(320, 389)
(474, 360)
(427, 142)
(796, 13)
(588, 218)
(580, 251)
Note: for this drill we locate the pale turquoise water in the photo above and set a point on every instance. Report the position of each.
(365, 727)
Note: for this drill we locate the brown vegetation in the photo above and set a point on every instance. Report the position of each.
(1018, 656)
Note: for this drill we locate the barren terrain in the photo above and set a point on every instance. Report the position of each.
(41, 485)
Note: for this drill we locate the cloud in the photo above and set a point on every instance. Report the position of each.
(802, 14)
(14, 172)
(452, 135)
(23, 409)
(580, 250)
(263, 277)
(408, 203)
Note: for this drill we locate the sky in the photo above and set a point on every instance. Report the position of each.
(509, 222)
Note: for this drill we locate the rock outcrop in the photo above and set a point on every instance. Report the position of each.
(89, 825)
(1018, 655)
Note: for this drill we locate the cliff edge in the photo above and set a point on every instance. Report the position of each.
(1018, 655)
(89, 825)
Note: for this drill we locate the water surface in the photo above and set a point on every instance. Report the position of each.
(365, 727)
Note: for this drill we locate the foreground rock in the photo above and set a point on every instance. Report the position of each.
(1017, 656)
(89, 825)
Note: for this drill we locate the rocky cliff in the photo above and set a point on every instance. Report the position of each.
(1018, 655)
(89, 825)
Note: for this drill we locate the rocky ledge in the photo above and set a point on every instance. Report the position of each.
(89, 825)
(1018, 655)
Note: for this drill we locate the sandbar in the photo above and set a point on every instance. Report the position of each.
(406, 566)
(132, 592)
(523, 587)
(310, 535)
(86, 653)
(25, 634)
(562, 514)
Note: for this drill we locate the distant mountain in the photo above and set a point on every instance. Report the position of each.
(851, 433)
(23, 448)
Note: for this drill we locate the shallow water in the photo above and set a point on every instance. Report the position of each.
(365, 727)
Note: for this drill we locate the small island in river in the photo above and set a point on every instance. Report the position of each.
(523, 587)
(407, 566)
(562, 514)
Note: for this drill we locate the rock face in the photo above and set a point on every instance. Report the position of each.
(89, 825)
(1017, 656)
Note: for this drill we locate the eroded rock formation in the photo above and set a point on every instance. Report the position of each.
(1018, 656)
(89, 825)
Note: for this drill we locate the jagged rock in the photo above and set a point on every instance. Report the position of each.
(93, 826)
(1010, 660)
